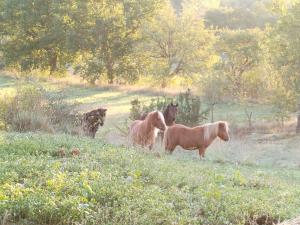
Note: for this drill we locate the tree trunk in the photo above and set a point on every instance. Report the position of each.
(53, 63)
(110, 73)
(298, 124)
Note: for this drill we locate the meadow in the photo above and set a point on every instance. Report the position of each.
(254, 179)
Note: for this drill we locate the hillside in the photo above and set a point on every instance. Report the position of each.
(118, 185)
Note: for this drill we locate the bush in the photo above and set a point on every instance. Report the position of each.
(35, 109)
(138, 109)
(189, 108)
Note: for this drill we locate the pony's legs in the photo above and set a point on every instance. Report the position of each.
(161, 134)
(150, 147)
(201, 153)
(170, 149)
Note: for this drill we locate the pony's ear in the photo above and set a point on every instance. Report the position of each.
(104, 110)
(176, 105)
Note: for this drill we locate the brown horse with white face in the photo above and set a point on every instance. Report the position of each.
(144, 132)
(196, 138)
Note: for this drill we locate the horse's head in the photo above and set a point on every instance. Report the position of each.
(170, 113)
(223, 131)
(102, 115)
(158, 120)
(97, 116)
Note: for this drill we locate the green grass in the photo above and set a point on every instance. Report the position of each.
(118, 185)
(238, 182)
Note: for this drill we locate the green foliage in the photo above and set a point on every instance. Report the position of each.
(110, 185)
(50, 35)
(138, 108)
(284, 102)
(240, 53)
(177, 44)
(238, 18)
(283, 44)
(189, 108)
(35, 34)
(113, 35)
(34, 108)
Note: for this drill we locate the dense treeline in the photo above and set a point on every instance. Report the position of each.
(243, 50)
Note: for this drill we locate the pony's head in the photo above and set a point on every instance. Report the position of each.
(170, 113)
(157, 120)
(97, 116)
(223, 130)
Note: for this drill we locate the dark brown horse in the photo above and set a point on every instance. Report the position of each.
(169, 114)
(92, 120)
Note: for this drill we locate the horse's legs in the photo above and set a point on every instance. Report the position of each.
(150, 147)
(170, 149)
(201, 152)
(161, 137)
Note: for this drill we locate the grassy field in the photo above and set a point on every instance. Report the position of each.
(118, 185)
(240, 182)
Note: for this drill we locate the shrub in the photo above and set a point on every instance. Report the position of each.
(189, 108)
(138, 108)
(33, 108)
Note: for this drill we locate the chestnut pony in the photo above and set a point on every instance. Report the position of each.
(169, 116)
(199, 137)
(144, 132)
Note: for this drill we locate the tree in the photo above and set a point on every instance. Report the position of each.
(113, 36)
(284, 48)
(213, 90)
(34, 33)
(240, 55)
(238, 18)
(177, 44)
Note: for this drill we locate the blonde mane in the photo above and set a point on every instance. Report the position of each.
(213, 128)
(161, 116)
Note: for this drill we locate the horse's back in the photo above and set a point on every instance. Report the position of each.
(178, 128)
(174, 132)
(184, 136)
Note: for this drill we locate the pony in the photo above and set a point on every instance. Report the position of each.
(169, 114)
(196, 138)
(92, 120)
(144, 132)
